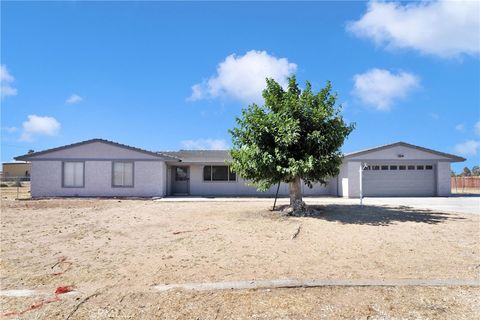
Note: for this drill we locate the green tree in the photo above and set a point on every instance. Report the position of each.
(466, 172)
(296, 135)
(475, 171)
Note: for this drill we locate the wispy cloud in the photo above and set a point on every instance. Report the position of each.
(73, 99)
(467, 148)
(442, 28)
(205, 144)
(6, 81)
(38, 126)
(476, 128)
(243, 77)
(380, 88)
(10, 129)
(460, 127)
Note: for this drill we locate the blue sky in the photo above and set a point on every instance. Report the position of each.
(165, 76)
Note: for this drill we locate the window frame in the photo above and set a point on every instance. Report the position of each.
(63, 174)
(428, 167)
(393, 166)
(420, 167)
(411, 167)
(229, 173)
(113, 174)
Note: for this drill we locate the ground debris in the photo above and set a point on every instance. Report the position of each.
(58, 291)
(187, 231)
(63, 264)
(297, 231)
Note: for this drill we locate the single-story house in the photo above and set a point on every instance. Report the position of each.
(16, 169)
(102, 168)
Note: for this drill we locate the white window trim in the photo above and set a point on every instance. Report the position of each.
(63, 174)
(211, 174)
(113, 174)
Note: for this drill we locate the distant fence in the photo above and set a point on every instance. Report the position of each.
(465, 184)
(15, 187)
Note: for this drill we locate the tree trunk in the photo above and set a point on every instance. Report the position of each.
(295, 190)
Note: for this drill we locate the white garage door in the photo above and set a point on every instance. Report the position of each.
(397, 180)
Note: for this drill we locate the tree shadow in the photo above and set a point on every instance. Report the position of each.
(377, 215)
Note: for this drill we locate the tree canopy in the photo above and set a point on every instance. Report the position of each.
(296, 134)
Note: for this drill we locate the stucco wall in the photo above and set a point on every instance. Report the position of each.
(393, 152)
(96, 150)
(342, 189)
(443, 179)
(198, 187)
(16, 169)
(149, 179)
(353, 179)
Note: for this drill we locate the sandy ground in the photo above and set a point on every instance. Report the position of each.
(118, 249)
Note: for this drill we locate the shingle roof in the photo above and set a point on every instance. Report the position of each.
(220, 156)
(199, 155)
(27, 157)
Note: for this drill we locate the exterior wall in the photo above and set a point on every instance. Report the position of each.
(443, 179)
(149, 179)
(94, 151)
(353, 179)
(342, 181)
(16, 169)
(198, 187)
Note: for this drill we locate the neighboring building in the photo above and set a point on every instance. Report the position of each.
(16, 169)
(104, 168)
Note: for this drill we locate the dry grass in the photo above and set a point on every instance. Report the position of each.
(127, 246)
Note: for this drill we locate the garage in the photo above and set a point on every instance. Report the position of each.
(399, 180)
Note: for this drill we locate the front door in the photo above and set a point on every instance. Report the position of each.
(181, 180)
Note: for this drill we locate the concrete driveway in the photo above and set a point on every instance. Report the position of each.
(466, 204)
(460, 204)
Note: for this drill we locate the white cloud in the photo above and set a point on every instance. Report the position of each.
(6, 80)
(10, 129)
(74, 98)
(380, 88)
(38, 125)
(476, 128)
(205, 144)
(443, 28)
(243, 77)
(467, 148)
(460, 127)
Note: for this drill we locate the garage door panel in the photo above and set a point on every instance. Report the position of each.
(398, 183)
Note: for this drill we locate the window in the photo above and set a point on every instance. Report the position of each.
(122, 174)
(428, 167)
(207, 173)
(393, 167)
(411, 167)
(375, 167)
(218, 173)
(73, 174)
(402, 167)
(419, 167)
(384, 167)
(181, 173)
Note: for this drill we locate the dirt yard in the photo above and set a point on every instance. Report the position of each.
(114, 251)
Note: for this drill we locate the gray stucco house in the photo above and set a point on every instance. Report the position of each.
(102, 168)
